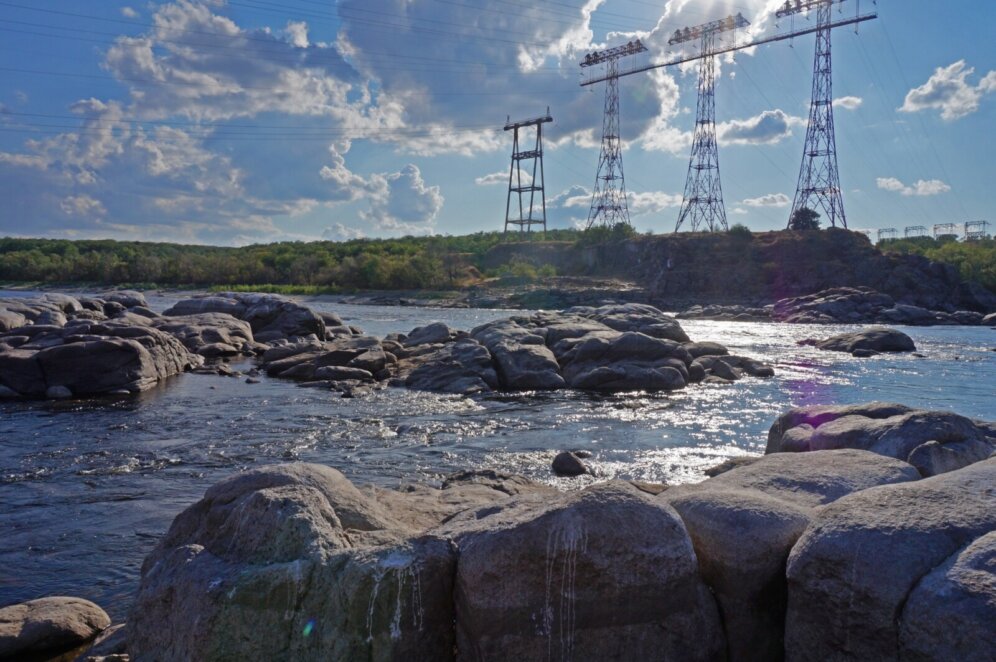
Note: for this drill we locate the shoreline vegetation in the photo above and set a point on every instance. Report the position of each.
(435, 267)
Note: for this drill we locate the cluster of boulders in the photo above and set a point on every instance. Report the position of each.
(727, 313)
(611, 348)
(863, 305)
(58, 346)
(847, 551)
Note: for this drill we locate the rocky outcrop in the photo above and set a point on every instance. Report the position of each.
(744, 522)
(211, 335)
(271, 317)
(463, 367)
(48, 627)
(86, 358)
(294, 561)
(863, 305)
(933, 441)
(874, 565)
(867, 342)
(729, 313)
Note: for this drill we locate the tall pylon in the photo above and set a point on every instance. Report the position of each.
(608, 199)
(819, 180)
(702, 204)
(529, 213)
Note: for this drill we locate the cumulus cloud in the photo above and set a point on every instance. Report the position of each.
(406, 204)
(949, 91)
(770, 200)
(768, 128)
(340, 232)
(848, 103)
(921, 188)
(649, 202)
(128, 12)
(494, 178)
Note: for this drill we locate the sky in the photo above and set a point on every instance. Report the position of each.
(234, 122)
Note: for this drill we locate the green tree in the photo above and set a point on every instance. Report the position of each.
(804, 219)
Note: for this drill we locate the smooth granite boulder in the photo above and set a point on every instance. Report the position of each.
(48, 626)
(638, 317)
(876, 339)
(853, 572)
(744, 522)
(604, 573)
(270, 316)
(206, 333)
(934, 442)
(463, 367)
(293, 562)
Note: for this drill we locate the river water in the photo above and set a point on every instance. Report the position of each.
(87, 488)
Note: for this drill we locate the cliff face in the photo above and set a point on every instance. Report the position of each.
(724, 268)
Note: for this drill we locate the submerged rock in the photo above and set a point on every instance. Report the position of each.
(934, 442)
(876, 339)
(48, 626)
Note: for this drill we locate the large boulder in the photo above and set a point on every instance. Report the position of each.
(48, 626)
(521, 358)
(874, 339)
(604, 573)
(866, 562)
(294, 562)
(208, 334)
(622, 362)
(463, 367)
(744, 522)
(638, 317)
(93, 358)
(932, 441)
(951, 613)
(270, 316)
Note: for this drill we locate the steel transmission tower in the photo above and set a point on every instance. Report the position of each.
(819, 180)
(528, 215)
(608, 198)
(702, 204)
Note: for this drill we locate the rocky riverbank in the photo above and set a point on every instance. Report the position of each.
(840, 542)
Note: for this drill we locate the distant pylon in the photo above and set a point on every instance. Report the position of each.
(703, 200)
(702, 203)
(608, 197)
(819, 180)
(528, 214)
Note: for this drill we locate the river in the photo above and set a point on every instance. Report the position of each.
(87, 488)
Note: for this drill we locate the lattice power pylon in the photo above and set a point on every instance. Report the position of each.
(945, 230)
(608, 198)
(914, 231)
(886, 234)
(976, 230)
(702, 204)
(819, 180)
(529, 213)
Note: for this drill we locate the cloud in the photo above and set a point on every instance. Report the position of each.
(848, 103)
(406, 205)
(494, 178)
(128, 12)
(650, 202)
(340, 232)
(949, 91)
(921, 188)
(768, 128)
(770, 200)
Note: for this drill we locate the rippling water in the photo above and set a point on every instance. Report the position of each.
(86, 489)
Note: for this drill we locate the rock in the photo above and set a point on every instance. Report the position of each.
(49, 625)
(339, 373)
(429, 335)
(109, 646)
(853, 572)
(127, 298)
(568, 464)
(697, 349)
(294, 562)
(627, 361)
(951, 611)
(727, 465)
(58, 393)
(208, 334)
(270, 316)
(8, 393)
(989, 320)
(92, 358)
(765, 506)
(933, 442)
(462, 367)
(636, 317)
(604, 573)
(876, 339)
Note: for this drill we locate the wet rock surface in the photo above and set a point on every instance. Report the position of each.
(866, 342)
(863, 305)
(48, 626)
(933, 441)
